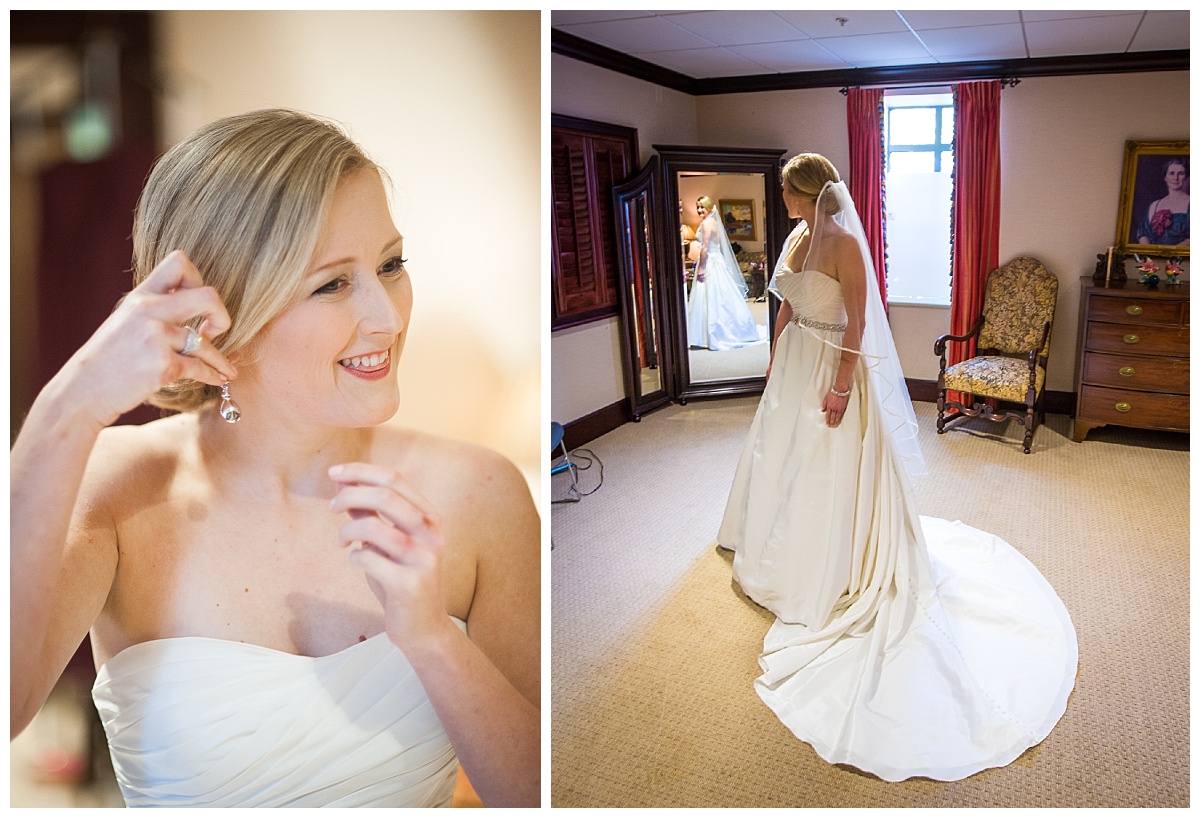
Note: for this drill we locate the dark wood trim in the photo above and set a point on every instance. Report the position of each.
(954, 72)
(577, 48)
(589, 427)
(578, 319)
(568, 45)
(1057, 403)
(594, 126)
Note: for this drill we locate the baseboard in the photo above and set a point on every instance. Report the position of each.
(584, 430)
(1057, 403)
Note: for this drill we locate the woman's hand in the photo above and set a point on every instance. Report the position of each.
(139, 348)
(834, 407)
(400, 544)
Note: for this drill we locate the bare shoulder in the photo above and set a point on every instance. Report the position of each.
(135, 462)
(475, 489)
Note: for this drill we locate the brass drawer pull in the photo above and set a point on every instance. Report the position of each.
(1131, 339)
(1122, 407)
(1133, 309)
(1125, 371)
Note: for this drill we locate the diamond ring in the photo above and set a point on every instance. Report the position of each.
(193, 342)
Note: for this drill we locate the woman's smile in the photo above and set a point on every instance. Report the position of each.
(370, 367)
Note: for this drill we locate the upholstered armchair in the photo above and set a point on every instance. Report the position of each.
(1013, 344)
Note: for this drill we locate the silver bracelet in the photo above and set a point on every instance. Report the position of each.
(845, 394)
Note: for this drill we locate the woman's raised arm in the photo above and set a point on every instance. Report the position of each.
(63, 551)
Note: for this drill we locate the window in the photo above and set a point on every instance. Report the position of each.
(919, 152)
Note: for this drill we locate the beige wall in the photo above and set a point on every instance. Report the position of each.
(585, 362)
(449, 103)
(1062, 143)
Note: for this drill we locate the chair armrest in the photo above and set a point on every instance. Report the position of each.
(1035, 353)
(939, 346)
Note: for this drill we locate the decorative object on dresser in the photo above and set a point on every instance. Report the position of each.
(1133, 367)
(1155, 214)
(1012, 349)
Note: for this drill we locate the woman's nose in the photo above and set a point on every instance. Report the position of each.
(379, 313)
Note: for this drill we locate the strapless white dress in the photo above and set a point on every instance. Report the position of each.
(904, 645)
(718, 316)
(194, 721)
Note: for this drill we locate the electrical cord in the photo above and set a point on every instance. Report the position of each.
(581, 460)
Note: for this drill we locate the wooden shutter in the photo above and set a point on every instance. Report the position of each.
(587, 159)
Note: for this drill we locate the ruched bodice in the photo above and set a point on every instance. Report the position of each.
(194, 721)
(812, 295)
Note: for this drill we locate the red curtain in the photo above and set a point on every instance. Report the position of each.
(975, 230)
(864, 119)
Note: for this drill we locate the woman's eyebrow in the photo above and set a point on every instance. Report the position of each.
(390, 243)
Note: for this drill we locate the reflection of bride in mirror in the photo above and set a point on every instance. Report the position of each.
(717, 314)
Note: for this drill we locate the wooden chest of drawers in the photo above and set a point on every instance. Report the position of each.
(1133, 357)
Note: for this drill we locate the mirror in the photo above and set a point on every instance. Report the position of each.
(743, 185)
(656, 228)
(728, 326)
(643, 351)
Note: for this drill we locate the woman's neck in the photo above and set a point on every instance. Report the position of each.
(277, 457)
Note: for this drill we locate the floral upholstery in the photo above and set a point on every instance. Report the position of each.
(1018, 306)
(1017, 303)
(994, 376)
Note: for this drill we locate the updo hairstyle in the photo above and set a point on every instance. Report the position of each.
(707, 203)
(245, 199)
(806, 174)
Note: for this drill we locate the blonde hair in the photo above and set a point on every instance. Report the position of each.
(707, 203)
(806, 174)
(244, 198)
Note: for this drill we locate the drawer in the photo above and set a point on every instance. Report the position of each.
(1136, 339)
(1135, 372)
(1131, 310)
(1140, 409)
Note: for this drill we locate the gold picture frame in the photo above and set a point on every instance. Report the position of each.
(1144, 224)
(737, 215)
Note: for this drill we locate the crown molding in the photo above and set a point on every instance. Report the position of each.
(568, 45)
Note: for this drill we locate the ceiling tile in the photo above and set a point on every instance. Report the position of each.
(737, 27)
(701, 63)
(825, 24)
(1163, 30)
(561, 18)
(924, 20)
(976, 42)
(1088, 35)
(800, 55)
(1038, 16)
(639, 36)
(877, 49)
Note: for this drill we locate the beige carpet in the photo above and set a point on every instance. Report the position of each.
(654, 650)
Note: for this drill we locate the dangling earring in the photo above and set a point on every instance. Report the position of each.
(229, 410)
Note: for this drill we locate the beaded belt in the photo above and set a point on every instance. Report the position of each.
(800, 320)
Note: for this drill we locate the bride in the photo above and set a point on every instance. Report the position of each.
(717, 314)
(904, 645)
(290, 602)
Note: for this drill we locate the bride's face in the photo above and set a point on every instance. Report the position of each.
(798, 207)
(701, 210)
(331, 356)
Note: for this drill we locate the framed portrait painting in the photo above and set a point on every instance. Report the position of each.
(738, 217)
(1155, 213)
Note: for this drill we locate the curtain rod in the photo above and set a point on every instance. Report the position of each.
(1004, 83)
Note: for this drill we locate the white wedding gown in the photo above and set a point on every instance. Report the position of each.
(905, 645)
(718, 317)
(193, 721)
